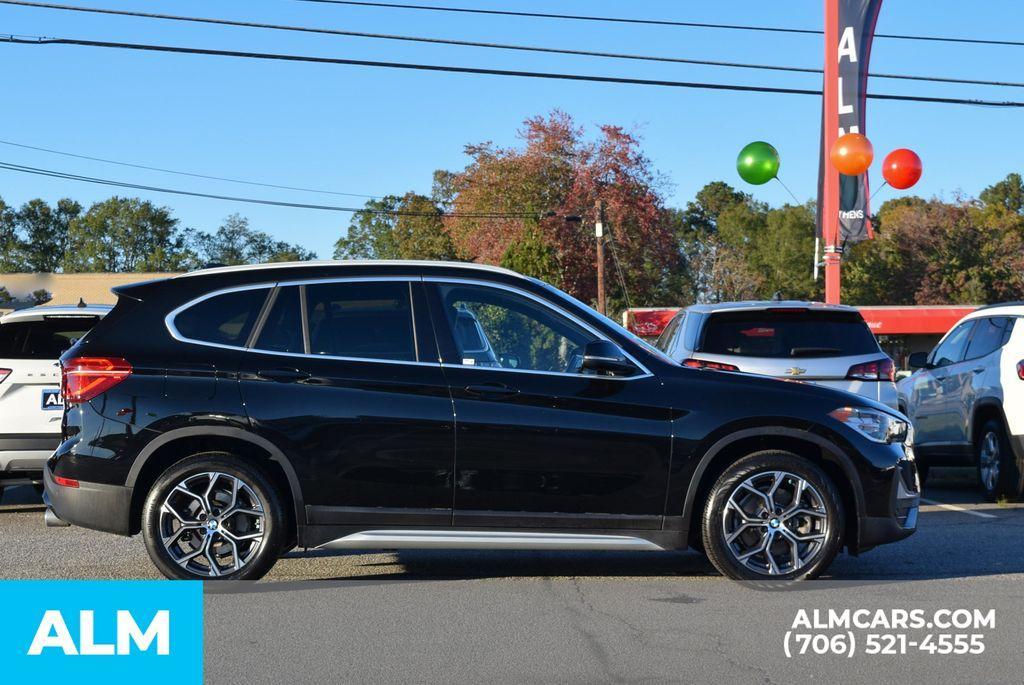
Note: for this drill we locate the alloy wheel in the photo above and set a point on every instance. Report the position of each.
(775, 523)
(212, 524)
(988, 461)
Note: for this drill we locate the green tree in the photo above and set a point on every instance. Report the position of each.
(1008, 194)
(11, 246)
(40, 296)
(407, 227)
(236, 243)
(5, 296)
(125, 235)
(45, 231)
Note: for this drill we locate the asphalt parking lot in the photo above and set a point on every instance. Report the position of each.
(585, 617)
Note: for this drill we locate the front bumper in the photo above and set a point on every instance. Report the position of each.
(91, 505)
(904, 505)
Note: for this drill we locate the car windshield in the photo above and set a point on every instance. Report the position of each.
(787, 334)
(46, 339)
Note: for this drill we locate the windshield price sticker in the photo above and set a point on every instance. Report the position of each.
(888, 632)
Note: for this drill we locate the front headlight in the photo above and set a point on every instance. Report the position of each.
(874, 425)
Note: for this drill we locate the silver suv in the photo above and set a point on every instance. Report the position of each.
(828, 345)
(966, 400)
(31, 341)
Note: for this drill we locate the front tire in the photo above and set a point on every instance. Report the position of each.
(773, 515)
(214, 517)
(999, 474)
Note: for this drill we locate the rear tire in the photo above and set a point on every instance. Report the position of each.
(773, 516)
(213, 516)
(999, 474)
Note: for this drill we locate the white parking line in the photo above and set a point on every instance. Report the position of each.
(953, 507)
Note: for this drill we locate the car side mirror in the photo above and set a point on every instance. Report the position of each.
(918, 360)
(607, 357)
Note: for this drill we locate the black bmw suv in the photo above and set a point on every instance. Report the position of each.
(232, 414)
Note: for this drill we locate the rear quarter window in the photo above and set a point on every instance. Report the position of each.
(787, 333)
(226, 319)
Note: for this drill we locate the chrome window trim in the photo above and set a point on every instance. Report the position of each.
(645, 372)
(176, 334)
(169, 324)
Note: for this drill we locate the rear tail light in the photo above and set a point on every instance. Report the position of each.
(877, 370)
(703, 364)
(65, 482)
(1020, 370)
(4, 373)
(83, 378)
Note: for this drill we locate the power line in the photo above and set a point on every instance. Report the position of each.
(487, 45)
(183, 173)
(656, 22)
(276, 203)
(491, 72)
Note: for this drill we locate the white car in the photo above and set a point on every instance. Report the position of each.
(824, 344)
(31, 341)
(966, 401)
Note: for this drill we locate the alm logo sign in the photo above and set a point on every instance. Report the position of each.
(53, 633)
(86, 631)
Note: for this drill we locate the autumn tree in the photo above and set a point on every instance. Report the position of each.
(511, 207)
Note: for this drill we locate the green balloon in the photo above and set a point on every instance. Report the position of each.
(758, 163)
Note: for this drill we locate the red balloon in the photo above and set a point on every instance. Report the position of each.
(902, 168)
(852, 154)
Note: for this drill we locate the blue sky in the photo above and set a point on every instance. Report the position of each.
(376, 131)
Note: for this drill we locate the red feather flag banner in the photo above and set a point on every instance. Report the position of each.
(843, 200)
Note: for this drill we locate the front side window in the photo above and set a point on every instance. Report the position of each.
(226, 319)
(951, 350)
(499, 329)
(987, 337)
(361, 320)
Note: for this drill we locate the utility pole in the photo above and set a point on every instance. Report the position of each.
(599, 234)
(830, 195)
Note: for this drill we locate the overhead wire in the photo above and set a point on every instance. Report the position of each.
(489, 45)
(658, 22)
(261, 201)
(41, 40)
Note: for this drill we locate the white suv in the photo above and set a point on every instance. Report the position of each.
(31, 341)
(966, 400)
(824, 344)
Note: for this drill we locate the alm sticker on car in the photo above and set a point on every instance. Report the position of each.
(52, 401)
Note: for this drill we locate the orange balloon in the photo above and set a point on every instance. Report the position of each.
(852, 154)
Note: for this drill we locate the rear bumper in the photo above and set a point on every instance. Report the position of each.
(91, 505)
(24, 455)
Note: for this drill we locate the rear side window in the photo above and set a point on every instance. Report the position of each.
(226, 319)
(361, 320)
(282, 331)
(987, 337)
(788, 333)
(46, 339)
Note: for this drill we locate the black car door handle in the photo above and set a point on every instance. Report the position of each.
(493, 390)
(283, 375)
